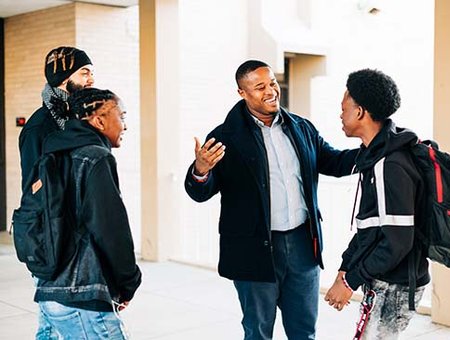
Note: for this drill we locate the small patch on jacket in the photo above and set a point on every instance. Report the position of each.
(36, 186)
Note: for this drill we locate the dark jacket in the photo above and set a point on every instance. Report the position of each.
(104, 267)
(391, 188)
(242, 179)
(31, 138)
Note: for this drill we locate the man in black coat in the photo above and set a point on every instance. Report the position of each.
(67, 69)
(270, 235)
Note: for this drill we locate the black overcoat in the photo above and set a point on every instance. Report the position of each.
(242, 178)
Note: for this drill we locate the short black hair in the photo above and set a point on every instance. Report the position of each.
(85, 102)
(374, 91)
(246, 68)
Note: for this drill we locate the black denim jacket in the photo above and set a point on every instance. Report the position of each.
(104, 266)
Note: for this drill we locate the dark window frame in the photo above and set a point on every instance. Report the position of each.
(283, 81)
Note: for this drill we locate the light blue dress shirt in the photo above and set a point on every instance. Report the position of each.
(287, 202)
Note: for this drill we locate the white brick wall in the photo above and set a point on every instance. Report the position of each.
(213, 43)
(111, 37)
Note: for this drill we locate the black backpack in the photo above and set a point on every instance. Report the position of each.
(433, 211)
(44, 226)
(434, 225)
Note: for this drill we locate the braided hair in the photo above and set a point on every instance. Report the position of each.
(85, 102)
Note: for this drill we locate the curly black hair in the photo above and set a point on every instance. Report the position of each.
(85, 102)
(374, 91)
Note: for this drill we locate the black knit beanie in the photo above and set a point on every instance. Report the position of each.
(62, 62)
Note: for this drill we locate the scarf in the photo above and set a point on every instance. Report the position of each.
(55, 100)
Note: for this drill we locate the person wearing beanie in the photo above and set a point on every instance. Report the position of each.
(67, 70)
(378, 257)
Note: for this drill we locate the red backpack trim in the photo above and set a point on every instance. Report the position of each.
(438, 173)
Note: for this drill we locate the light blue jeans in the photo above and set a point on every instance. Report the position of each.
(295, 292)
(390, 315)
(57, 321)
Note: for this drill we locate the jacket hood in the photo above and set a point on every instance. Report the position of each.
(389, 139)
(77, 133)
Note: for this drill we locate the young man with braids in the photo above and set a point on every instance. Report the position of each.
(378, 256)
(67, 69)
(270, 234)
(102, 277)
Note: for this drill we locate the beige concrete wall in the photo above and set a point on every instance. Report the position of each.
(442, 74)
(149, 182)
(440, 310)
(28, 38)
(303, 68)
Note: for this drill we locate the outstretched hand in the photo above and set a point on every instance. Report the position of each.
(207, 156)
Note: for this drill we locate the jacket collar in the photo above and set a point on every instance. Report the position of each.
(389, 139)
(77, 133)
(240, 117)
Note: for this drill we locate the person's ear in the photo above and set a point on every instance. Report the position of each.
(98, 122)
(361, 112)
(241, 93)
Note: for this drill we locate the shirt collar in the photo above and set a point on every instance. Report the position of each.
(278, 120)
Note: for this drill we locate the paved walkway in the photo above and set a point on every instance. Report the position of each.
(178, 302)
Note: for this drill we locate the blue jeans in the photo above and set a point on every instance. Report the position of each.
(45, 330)
(61, 322)
(295, 292)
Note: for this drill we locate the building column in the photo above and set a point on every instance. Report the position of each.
(441, 275)
(160, 93)
(149, 173)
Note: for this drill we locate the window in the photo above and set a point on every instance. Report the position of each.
(283, 80)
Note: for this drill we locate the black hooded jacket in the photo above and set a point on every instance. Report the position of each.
(104, 267)
(391, 189)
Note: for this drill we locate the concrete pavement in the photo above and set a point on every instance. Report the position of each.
(178, 302)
